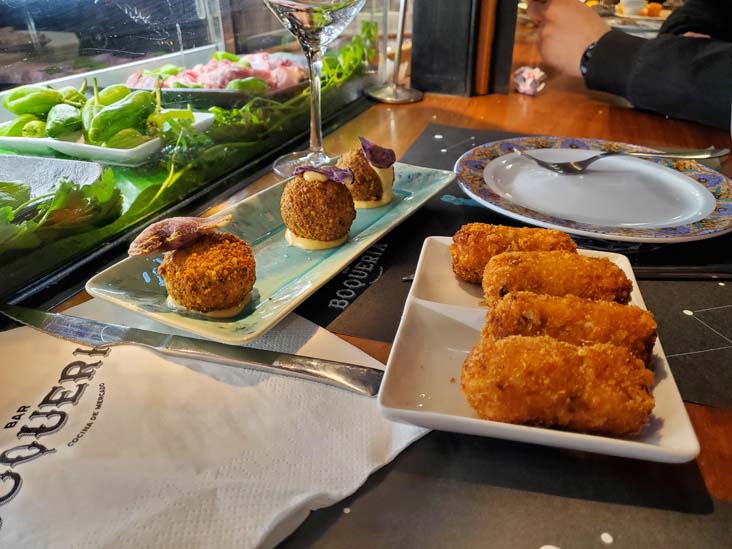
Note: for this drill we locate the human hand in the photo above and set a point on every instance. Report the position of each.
(566, 28)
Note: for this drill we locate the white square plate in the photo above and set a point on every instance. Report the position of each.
(442, 321)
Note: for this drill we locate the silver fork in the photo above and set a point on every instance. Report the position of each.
(579, 166)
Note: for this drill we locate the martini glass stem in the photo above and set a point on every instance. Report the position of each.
(315, 67)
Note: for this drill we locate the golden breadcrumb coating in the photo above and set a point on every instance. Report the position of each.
(476, 243)
(213, 273)
(540, 380)
(366, 184)
(555, 273)
(319, 210)
(574, 320)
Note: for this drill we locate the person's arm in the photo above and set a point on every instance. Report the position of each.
(683, 77)
(679, 76)
(708, 17)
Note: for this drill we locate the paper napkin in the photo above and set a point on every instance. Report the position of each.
(135, 449)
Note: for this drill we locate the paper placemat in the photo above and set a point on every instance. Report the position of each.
(699, 346)
(135, 449)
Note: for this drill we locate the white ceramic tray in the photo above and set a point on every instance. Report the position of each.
(115, 157)
(442, 321)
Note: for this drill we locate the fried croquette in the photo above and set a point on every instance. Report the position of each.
(476, 243)
(215, 273)
(574, 320)
(317, 210)
(555, 273)
(366, 185)
(542, 381)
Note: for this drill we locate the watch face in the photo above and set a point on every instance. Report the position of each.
(586, 56)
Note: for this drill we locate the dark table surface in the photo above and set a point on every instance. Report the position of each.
(456, 490)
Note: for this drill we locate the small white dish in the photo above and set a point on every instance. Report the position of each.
(442, 321)
(661, 197)
(27, 145)
(115, 157)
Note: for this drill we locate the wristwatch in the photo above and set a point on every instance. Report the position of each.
(586, 56)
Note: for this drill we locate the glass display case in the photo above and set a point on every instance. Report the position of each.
(115, 113)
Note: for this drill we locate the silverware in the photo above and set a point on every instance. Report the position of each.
(579, 166)
(99, 335)
(683, 272)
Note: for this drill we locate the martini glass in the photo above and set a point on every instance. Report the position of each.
(315, 24)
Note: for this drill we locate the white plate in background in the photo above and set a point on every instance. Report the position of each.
(442, 321)
(618, 191)
(609, 192)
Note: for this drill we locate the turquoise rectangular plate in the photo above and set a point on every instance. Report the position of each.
(286, 275)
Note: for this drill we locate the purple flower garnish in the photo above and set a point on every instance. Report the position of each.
(339, 175)
(377, 156)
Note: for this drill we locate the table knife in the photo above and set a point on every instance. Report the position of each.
(683, 272)
(100, 335)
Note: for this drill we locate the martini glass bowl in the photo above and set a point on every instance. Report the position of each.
(315, 24)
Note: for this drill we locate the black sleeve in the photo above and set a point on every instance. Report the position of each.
(689, 78)
(712, 17)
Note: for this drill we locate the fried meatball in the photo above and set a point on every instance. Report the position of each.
(555, 273)
(476, 243)
(574, 320)
(366, 184)
(319, 210)
(213, 273)
(540, 380)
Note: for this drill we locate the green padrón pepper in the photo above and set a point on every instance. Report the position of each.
(112, 94)
(158, 119)
(221, 55)
(88, 112)
(90, 109)
(130, 112)
(128, 138)
(72, 96)
(163, 72)
(251, 85)
(36, 128)
(31, 100)
(186, 86)
(63, 119)
(14, 128)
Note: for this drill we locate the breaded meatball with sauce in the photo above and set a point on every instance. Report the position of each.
(317, 208)
(373, 174)
(366, 183)
(215, 274)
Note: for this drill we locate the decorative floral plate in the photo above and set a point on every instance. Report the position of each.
(717, 220)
